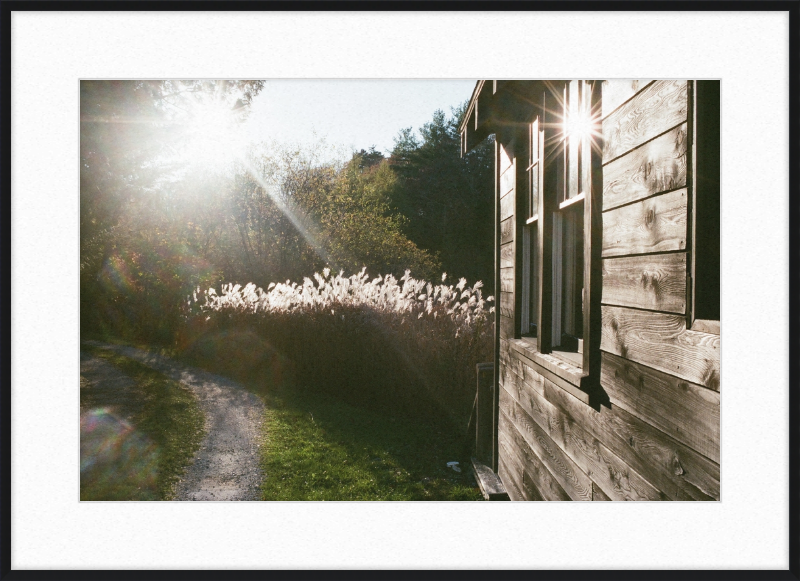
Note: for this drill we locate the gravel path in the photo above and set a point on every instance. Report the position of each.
(226, 467)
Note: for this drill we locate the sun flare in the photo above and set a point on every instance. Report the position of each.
(212, 136)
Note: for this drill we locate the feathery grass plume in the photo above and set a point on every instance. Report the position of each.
(404, 346)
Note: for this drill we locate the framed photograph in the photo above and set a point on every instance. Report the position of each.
(614, 199)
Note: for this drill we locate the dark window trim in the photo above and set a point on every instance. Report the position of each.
(540, 350)
(704, 167)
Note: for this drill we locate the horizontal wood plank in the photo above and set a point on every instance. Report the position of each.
(653, 225)
(560, 372)
(508, 477)
(616, 478)
(673, 468)
(686, 411)
(507, 230)
(571, 478)
(617, 91)
(510, 457)
(706, 326)
(657, 166)
(507, 305)
(507, 255)
(507, 206)
(506, 327)
(507, 181)
(507, 280)
(655, 282)
(661, 341)
(505, 158)
(660, 106)
(491, 486)
(534, 473)
(597, 493)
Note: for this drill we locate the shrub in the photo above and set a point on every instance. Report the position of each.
(401, 346)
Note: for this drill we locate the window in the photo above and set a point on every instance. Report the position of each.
(555, 251)
(706, 202)
(571, 130)
(530, 236)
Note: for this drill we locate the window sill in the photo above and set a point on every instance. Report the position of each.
(705, 326)
(558, 371)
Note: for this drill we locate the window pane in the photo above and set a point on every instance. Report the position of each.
(706, 244)
(572, 278)
(533, 295)
(574, 135)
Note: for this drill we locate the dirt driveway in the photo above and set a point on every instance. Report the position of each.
(226, 467)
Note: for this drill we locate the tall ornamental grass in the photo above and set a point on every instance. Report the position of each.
(400, 346)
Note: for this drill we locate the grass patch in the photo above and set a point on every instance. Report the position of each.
(141, 459)
(319, 448)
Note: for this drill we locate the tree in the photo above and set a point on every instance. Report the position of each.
(140, 245)
(447, 199)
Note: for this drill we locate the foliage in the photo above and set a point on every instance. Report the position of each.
(144, 242)
(399, 346)
(155, 225)
(447, 198)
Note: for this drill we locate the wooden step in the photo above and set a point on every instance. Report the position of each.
(490, 484)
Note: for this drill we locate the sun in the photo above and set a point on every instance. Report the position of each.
(211, 136)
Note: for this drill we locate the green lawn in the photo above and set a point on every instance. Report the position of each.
(321, 449)
(145, 460)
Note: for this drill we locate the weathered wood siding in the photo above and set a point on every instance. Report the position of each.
(506, 190)
(658, 435)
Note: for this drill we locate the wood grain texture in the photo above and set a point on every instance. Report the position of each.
(705, 326)
(519, 375)
(508, 478)
(507, 280)
(507, 205)
(507, 305)
(505, 158)
(653, 225)
(617, 91)
(534, 474)
(569, 476)
(659, 107)
(686, 411)
(491, 486)
(510, 456)
(507, 230)
(661, 341)
(616, 478)
(597, 493)
(512, 358)
(565, 375)
(657, 166)
(507, 255)
(507, 181)
(506, 327)
(655, 282)
(675, 469)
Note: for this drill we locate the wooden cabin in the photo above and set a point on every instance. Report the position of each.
(606, 372)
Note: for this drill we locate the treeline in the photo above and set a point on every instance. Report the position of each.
(156, 222)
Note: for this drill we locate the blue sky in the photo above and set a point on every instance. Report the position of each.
(353, 114)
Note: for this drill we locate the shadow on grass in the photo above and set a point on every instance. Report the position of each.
(321, 449)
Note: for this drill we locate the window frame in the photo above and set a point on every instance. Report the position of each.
(529, 324)
(702, 167)
(581, 371)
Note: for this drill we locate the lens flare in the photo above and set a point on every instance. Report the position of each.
(117, 462)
